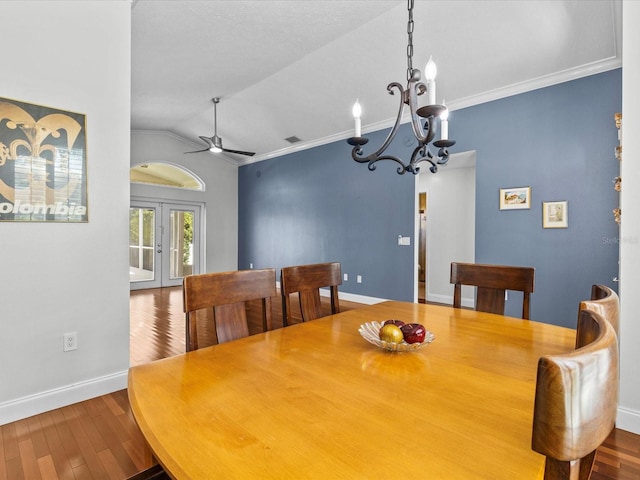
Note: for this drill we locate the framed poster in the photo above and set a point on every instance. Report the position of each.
(515, 198)
(43, 168)
(555, 215)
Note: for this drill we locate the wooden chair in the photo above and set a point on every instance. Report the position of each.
(307, 280)
(226, 293)
(605, 302)
(492, 281)
(576, 401)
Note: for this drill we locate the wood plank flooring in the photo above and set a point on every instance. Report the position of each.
(95, 439)
(98, 438)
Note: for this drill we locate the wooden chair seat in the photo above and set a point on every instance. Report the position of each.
(226, 293)
(576, 401)
(492, 281)
(307, 280)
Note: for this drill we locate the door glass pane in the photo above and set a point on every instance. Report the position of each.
(142, 227)
(181, 243)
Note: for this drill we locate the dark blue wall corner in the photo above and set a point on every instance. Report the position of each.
(559, 141)
(319, 205)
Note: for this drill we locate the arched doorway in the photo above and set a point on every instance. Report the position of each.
(165, 235)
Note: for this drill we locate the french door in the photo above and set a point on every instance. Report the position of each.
(164, 243)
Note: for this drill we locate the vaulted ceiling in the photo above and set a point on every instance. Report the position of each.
(294, 68)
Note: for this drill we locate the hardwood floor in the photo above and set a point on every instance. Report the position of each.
(95, 439)
(98, 438)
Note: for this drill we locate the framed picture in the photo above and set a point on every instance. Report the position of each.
(555, 215)
(515, 198)
(43, 170)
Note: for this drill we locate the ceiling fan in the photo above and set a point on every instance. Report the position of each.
(215, 143)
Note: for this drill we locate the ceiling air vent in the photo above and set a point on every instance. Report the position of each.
(293, 139)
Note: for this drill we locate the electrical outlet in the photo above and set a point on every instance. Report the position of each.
(345, 277)
(359, 279)
(251, 265)
(70, 341)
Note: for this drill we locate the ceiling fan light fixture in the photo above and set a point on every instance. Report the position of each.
(215, 142)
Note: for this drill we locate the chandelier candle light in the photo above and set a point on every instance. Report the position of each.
(424, 132)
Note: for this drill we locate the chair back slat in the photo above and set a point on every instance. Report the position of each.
(231, 321)
(306, 280)
(212, 289)
(226, 293)
(490, 300)
(492, 281)
(310, 304)
(576, 401)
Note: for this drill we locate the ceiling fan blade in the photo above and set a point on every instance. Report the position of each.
(239, 152)
(206, 140)
(199, 151)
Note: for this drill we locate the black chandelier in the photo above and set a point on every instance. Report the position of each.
(424, 132)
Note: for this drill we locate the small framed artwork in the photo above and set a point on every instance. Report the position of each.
(555, 215)
(515, 198)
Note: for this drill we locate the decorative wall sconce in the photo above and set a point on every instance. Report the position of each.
(617, 214)
(617, 184)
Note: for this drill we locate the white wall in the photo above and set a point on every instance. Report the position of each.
(451, 207)
(220, 196)
(60, 278)
(629, 411)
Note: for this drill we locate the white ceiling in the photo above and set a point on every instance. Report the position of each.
(294, 68)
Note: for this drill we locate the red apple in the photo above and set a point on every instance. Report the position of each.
(397, 323)
(413, 332)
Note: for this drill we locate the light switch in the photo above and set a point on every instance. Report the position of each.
(404, 240)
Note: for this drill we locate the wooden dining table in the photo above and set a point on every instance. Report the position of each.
(316, 401)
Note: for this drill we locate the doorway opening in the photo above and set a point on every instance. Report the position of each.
(445, 225)
(164, 243)
(422, 246)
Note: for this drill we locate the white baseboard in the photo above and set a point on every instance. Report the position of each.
(628, 420)
(349, 297)
(448, 300)
(352, 297)
(41, 402)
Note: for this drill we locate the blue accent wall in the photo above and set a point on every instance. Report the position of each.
(319, 205)
(560, 141)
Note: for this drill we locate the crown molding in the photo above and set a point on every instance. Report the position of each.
(537, 83)
(568, 75)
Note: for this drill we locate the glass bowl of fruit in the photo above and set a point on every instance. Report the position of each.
(395, 335)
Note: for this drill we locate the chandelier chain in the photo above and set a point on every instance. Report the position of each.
(410, 40)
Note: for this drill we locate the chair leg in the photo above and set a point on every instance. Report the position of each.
(579, 469)
(586, 465)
